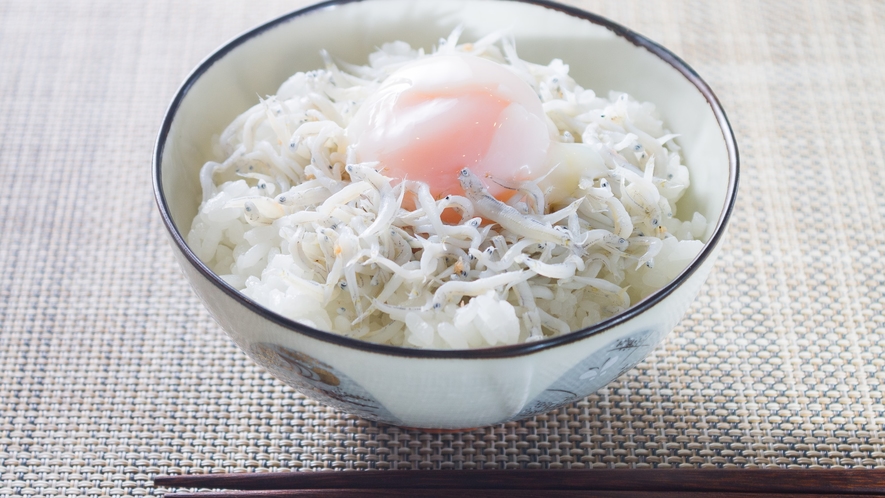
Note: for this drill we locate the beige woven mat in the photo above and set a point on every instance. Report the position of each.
(112, 371)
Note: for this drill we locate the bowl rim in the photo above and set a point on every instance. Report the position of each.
(466, 354)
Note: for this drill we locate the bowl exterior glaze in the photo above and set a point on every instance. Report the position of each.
(453, 389)
(445, 393)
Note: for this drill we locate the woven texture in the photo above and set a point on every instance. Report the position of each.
(111, 371)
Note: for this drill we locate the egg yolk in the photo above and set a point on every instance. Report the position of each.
(440, 114)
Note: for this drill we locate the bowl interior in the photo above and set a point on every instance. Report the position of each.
(231, 80)
(601, 56)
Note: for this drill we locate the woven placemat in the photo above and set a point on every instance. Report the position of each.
(111, 371)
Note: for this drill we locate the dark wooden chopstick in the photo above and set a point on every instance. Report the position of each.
(493, 493)
(707, 482)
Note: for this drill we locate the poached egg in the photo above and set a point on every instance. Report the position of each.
(437, 115)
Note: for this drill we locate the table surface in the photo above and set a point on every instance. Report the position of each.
(112, 371)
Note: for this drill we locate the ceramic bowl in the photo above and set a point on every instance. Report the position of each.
(444, 389)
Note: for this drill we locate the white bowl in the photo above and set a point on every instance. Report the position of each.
(444, 389)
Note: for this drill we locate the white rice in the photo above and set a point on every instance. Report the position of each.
(283, 221)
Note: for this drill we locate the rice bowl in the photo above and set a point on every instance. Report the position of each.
(444, 388)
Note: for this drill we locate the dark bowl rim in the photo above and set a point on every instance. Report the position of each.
(469, 354)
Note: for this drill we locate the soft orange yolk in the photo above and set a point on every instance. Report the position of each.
(440, 114)
(435, 153)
